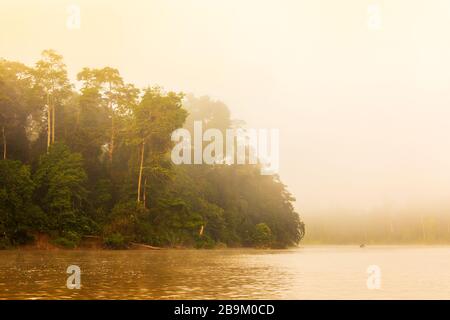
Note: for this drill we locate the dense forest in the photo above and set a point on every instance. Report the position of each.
(96, 162)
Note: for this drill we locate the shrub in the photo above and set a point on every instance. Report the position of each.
(65, 243)
(204, 242)
(262, 236)
(4, 244)
(72, 236)
(115, 241)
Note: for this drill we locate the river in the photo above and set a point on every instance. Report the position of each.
(310, 272)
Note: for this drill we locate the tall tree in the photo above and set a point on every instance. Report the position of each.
(15, 102)
(109, 84)
(51, 76)
(154, 119)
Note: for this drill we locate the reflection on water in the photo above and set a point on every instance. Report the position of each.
(304, 273)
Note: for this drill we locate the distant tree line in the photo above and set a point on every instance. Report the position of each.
(96, 161)
(383, 225)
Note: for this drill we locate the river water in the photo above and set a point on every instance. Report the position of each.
(311, 272)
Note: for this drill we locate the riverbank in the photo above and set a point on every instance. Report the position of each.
(95, 243)
(44, 242)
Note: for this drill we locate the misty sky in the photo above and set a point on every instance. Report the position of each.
(363, 113)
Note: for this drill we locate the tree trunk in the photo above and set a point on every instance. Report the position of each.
(4, 143)
(141, 169)
(49, 124)
(53, 124)
(111, 144)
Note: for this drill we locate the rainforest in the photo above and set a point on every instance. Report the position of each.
(92, 160)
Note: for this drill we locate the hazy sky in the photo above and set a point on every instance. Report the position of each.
(363, 112)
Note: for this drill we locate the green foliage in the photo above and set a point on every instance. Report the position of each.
(115, 241)
(128, 219)
(17, 99)
(64, 243)
(60, 177)
(51, 72)
(109, 171)
(204, 242)
(68, 240)
(262, 236)
(4, 244)
(61, 192)
(19, 217)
